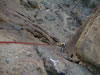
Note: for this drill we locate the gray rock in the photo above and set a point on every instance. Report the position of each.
(54, 12)
(56, 64)
(31, 3)
(46, 5)
(19, 59)
(15, 61)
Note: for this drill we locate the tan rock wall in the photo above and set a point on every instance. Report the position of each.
(88, 45)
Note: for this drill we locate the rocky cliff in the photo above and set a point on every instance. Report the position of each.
(47, 22)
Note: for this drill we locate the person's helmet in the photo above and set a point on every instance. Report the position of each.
(63, 44)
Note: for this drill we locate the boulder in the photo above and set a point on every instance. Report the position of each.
(55, 63)
(88, 45)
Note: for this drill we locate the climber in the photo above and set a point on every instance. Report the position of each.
(62, 45)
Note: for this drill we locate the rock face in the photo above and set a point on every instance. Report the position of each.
(29, 21)
(55, 63)
(88, 44)
(59, 18)
(18, 59)
(16, 16)
(10, 33)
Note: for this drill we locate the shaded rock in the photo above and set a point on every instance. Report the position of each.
(90, 3)
(46, 5)
(30, 3)
(88, 44)
(34, 4)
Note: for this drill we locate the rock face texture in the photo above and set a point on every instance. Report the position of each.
(55, 63)
(17, 59)
(42, 21)
(88, 44)
(20, 59)
(60, 18)
(17, 17)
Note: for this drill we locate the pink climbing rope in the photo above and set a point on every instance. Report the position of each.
(8, 42)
